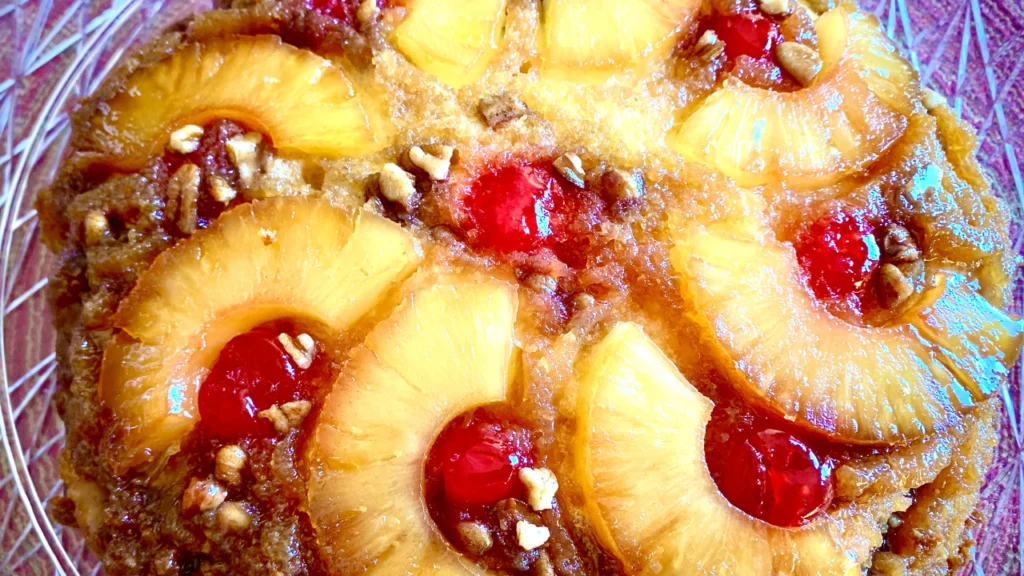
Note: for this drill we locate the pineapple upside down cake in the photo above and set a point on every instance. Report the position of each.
(551, 287)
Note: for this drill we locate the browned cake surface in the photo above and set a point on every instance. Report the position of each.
(904, 496)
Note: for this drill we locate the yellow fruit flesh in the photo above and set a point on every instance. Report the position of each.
(226, 280)
(855, 109)
(609, 35)
(454, 41)
(447, 349)
(856, 384)
(303, 102)
(639, 456)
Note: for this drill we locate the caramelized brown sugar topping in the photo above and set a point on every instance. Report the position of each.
(557, 288)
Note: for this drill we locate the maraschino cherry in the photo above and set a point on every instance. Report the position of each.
(749, 33)
(524, 208)
(773, 475)
(477, 458)
(838, 253)
(252, 373)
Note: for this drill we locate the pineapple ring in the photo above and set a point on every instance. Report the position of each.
(868, 385)
(234, 277)
(303, 102)
(639, 457)
(454, 45)
(855, 109)
(447, 348)
(606, 35)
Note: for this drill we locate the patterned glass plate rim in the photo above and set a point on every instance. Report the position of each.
(54, 51)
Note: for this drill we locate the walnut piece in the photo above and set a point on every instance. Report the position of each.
(185, 140)
(301, 349)
(233, 517)
(367, 11)
(801, 62)
(531, 537)
(893, 287)
(275, 416)
(497, 109)
(434, 161)
(544, 566)
(571, 168)
(708, 46)
(244, 154)
(821, 6)
(541, 486)
(397, 185)
(775, 7)
(182, 192)
(286, 416)
(296, 411)
(476, 537)
(898, 245)
(230, 462)
(202, 496)
(96, 227)
(932, 99)
(220, 189)
(621, 186)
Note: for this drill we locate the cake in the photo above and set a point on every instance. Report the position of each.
(558, 288)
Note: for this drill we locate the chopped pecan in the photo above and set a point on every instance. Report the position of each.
(497, 109)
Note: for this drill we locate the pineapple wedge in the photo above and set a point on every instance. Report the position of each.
(448, 348)
(607, 35)
(856, 384)
(639, 457)
(454, 41)
(286, 257)
(855, 109)
(303, 102)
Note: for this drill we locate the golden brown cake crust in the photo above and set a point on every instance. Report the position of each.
(907, 508)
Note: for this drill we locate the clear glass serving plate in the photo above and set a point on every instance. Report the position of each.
(54, 51)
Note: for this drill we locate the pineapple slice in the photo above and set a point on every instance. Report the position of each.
(448, 348)
(454, 41)
(303, 102)
(607, 35)
(855, 109)
(286, 257)
(639, 458)
(858, 384)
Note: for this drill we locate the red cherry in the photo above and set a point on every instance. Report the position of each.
(524, 208)
(511, 208)
(838, 253)
(252, 373)
(748, 33)
(343, 10)
(478, 460)
(774, 476)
